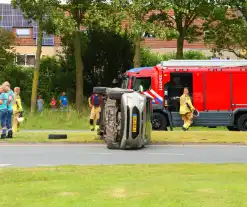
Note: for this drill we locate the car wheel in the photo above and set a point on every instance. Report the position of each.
(159, 122)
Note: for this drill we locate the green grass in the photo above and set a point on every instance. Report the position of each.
(49, 119)
(73, 121)
(178, 185)
(157, 137)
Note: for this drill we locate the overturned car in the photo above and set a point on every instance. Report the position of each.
(125, 118)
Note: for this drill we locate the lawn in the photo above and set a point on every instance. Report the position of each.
(177, 185)
(161, 137)
(71, 120)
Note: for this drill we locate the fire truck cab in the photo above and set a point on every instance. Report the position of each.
(217, 89)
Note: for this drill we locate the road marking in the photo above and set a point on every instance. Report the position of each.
(4, 165)
(98, 153)
(162, 153)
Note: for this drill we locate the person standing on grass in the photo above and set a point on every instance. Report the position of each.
(3, 110)
(64, 102)
(17, 110)
(53, 103)
(186, 109)
(94, 102)
(40, 103)
(10, 93)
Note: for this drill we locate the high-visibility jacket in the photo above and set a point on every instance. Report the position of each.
(17, 107)
(186, 104)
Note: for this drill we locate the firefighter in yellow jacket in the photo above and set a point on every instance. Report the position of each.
(186, 109)
(17, 110)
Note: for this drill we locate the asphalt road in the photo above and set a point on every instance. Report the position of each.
(63, 154)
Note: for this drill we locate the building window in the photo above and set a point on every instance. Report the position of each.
(30, 60)
(20, 59)
(23, 32)
(26, 60)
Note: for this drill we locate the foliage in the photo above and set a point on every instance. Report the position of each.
(226, 30)
(18, 76)
(102, 60)
(6, 55)
(39, 11)
(186, 20)
(150, 59)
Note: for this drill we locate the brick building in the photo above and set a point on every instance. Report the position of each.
(25, 32)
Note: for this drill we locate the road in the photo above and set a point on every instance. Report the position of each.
(24, 155)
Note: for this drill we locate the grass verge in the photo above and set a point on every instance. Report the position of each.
(157, 137)
(222, 185)
(49, 119)
(71, 120)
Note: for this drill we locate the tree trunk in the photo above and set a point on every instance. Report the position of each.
(180, 46)
(79, 71)
(137, 55)
(36, 69)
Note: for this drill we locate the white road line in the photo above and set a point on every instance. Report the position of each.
(98, 153)
(162, 153)
(5, 165)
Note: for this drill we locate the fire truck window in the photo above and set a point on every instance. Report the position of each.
(144, 82)
(125, 82)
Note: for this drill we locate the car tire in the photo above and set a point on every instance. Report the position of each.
(159, 122)
(100, 90)
(242, 123)
(57, 136)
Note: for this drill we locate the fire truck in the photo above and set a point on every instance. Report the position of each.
(218, 89)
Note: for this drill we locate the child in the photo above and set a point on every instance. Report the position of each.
(40, 103)
(53, 103)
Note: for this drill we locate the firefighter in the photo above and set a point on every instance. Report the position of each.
(94, 102)
(186, 109)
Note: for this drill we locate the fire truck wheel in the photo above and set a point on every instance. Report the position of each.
(232, 128)
(159, 121)
(242, 122)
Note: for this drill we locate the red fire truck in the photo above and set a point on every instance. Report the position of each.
(218, 91)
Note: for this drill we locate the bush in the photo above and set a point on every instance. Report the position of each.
(149, 58)
(21, 77)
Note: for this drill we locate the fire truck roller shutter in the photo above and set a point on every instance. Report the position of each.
(159, 121)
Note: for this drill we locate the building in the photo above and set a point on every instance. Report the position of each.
(25, 32)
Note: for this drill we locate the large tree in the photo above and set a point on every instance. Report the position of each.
(226, 29)
(39, 11)
(135, 14)
(76, 18)
(186, 17)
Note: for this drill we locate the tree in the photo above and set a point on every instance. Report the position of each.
(135, 13)
(187, 19)
(39, 11)
(6, 54)
(76, 18)
(226, 29)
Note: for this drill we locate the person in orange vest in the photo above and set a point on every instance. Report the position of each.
(94, 102)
